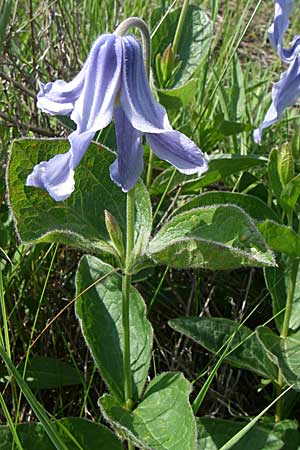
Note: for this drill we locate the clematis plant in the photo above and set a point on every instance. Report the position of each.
(111, 83)
(286, 91)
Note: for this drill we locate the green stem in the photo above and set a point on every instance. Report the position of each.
(149, 169)
(126, 282)
(285, 331)
(180, 25)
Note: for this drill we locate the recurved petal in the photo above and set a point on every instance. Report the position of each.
(283, 9)
(58, 97)
(89, 97)
(179, 150)
(284, 94)
(55, 175)
(128, 166)
(141, 109)
(288, 54)
(79, 145)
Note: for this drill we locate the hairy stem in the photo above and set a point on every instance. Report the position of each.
(136, 22)
(126, 283)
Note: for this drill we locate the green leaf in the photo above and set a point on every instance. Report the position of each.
(254, 206)
(162, 421)
(220, 127)
(178, 97)
(215, 237)
(287, 431)
(285, 352)
(76, 433)
(277, 279)
(78, 221)
(213, 333)
(143, 220)
(48, 373)
(194, 42)
(290, 193)
(99, 309)
(237, 97)
(280, 238)
(214, 433)
(219, 168)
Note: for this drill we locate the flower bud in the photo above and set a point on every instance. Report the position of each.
(115, 232)
(167, 65)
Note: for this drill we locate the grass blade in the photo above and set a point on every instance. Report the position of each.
(35, 405)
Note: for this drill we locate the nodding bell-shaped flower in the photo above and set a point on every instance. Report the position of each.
(112, 83)
(287, 89)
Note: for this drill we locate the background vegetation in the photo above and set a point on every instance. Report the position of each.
(47, 40)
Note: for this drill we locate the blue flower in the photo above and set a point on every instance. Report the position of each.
(283, 9)
(287, 89)
(111, 83)
(284, 94)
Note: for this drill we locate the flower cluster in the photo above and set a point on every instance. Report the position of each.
(287, 89)
(111, 83)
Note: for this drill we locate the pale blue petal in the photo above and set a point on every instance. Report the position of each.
(284, 94)
(94, 107)
(283, 9)
(128, 166)
(148, 116)
(55, 176)
(179, 150)
(59, 97)
(142, 110)
(89, 99)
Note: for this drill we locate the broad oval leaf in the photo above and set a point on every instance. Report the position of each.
(219, 168)
(194, 41)
(254, 206)
(216, 237)
(283, 351)
(76, 433)
(280, 238)
(99, 310)
(178, 97)
(214, 433)
(79, 220)
(213, 333)
(44, 372)
(163, 420)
